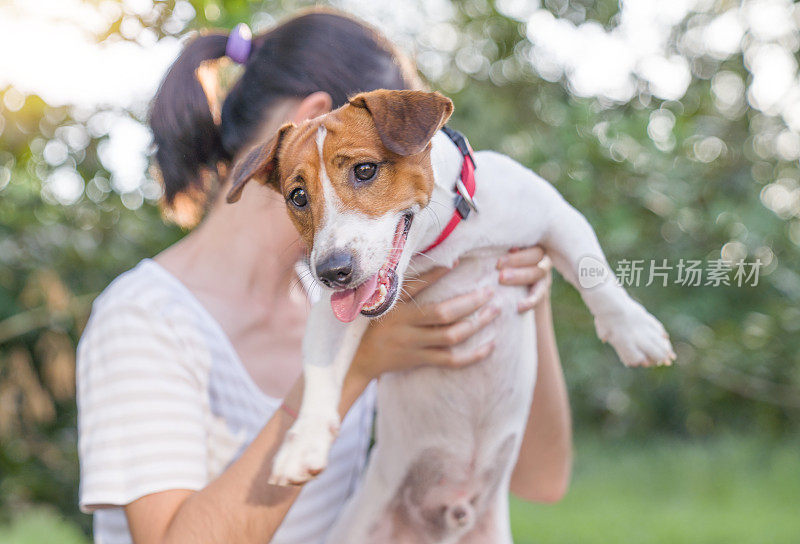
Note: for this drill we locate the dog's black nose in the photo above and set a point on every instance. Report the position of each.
(336, 270)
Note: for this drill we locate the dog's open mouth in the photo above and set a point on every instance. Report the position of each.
(376, 295)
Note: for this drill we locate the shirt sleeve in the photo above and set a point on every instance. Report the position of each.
(140, 409)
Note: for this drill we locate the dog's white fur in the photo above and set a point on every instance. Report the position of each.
(468, 411)
(345, 228)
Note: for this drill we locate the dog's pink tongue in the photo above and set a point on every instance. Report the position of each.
(346, 304)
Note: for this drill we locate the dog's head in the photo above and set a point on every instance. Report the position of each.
(353, 180)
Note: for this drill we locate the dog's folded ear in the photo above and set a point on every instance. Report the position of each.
(406, 120)
(260, 164)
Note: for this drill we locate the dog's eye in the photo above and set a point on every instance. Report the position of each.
(365, 171)
(299, 197)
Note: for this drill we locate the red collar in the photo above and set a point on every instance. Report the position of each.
(464, 187)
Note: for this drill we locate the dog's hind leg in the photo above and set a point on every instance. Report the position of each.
(365, 519)
(493, 526)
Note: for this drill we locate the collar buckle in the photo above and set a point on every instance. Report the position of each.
(464, 187)
(464, 202)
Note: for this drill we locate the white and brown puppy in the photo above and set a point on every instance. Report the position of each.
(368, 185)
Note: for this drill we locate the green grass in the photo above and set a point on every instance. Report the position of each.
(727, 491)
(41, 526)
(733, 490)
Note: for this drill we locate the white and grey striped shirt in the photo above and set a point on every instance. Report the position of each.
(165, 403)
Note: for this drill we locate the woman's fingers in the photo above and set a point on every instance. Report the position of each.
(458, 332)
(456, 357)
(539, 290)
(522, 276)
(536, 294)
(451, 310)
(524, 266)
(516, 258)
(413, 286)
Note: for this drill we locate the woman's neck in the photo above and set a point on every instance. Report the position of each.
(245, 251)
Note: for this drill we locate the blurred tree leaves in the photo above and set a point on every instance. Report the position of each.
(687, 179)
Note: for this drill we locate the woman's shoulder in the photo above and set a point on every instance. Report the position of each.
(144, 287)
(143, 315)
(144, 298)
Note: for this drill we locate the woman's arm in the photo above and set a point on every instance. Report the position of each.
(239, 506)
(543, 467)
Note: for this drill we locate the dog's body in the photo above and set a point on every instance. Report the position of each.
(442, 431)
(468, 413)
(447, 439)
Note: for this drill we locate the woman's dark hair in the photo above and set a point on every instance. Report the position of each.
(320, 50)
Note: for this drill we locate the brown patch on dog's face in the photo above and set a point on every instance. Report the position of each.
(351, 176)
(399, 183)
(358, 133)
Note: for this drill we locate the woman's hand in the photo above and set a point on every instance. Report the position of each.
(529, 267)
(432, 334)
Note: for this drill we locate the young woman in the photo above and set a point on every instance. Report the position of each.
(189, 370)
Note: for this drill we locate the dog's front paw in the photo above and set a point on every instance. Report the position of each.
(304, 452)
(638, 338)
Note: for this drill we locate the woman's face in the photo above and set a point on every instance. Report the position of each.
(269, 214)
(283, 231)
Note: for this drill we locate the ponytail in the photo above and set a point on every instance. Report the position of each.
(317, 50)
(184, 130)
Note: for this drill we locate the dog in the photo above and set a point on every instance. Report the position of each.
(368, 186)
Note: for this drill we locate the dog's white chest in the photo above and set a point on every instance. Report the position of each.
(473, 399)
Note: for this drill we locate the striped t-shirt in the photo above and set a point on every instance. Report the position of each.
(165, 403)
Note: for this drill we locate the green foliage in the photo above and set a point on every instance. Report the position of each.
(55, 258)
(738, 347)
(684, 192)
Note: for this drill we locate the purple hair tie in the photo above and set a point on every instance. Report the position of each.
(239, 43)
